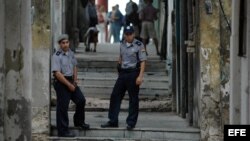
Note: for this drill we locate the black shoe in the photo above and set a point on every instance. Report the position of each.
(108, 124)
(83, 126)
(87, 49)
(69, 134)
(130, 127)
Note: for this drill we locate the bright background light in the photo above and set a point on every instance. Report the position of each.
(121, 3)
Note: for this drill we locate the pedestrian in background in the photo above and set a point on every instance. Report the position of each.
(148, 15)
(132, 18)
(117, 23)
(101, 14)
(92, 33)
(65, 84)
(110, 23)
(131, 70)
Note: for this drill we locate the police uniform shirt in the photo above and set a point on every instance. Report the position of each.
(64, 62)
(132, 53)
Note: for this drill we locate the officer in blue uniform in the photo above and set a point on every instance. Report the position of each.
(131, 66)
(65, 83)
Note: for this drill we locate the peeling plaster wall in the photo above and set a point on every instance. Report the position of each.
(41, 44)
(18, 74)
(41, 24)
(210, 73)
(40, 91)
(225, 60)
(1, 67)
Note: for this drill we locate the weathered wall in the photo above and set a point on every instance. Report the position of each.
(210, 73)
(57, 20)
(18, 70)
(1, 66)
(225, 59)
(41, 24)
(41, 64)
(40, 93)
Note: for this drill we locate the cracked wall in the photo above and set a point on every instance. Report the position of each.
(225, 60)
(17, 83)
(214, 71)
(41, 61)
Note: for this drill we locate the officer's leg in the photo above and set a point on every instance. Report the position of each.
(79, 99)
(116, 98)
(63, 99)
(133, 91)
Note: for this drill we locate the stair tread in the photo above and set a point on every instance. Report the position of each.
(142, 87)
(146, 121)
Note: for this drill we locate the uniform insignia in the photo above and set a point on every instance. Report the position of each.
(138, 43)
(58, 53)
(143, 50)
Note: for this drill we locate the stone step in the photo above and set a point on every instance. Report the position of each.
(160, 104)
(104, 66)
(147, 75)
(153, 126)
(104, 91)
(111, 81)
(108, 139)
(109, 51)
(108, 79)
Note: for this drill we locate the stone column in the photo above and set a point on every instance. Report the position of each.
(18, 70)
(56, 21)
(1, 67)
(210, 72)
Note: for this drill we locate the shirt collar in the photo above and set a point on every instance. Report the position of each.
(65, 53)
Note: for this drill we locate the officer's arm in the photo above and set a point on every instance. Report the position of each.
(142, 69)
(60, 77)
(120, 60)
(139, 79)
(75, 74)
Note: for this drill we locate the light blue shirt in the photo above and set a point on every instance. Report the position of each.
(132, 53)
(64, 62)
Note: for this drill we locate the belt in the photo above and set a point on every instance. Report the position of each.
(69, 77)
(129, 70)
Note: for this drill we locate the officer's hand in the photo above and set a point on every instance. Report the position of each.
(72, 88)
(76, 82)
(139, 80)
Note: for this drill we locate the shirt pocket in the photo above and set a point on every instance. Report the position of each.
(65, 65)
(73, 61)
(132, 53)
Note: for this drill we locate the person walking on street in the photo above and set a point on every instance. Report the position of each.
(92, 32)
(132, 18)
(148, 15)
(65, 84)
(117, 23)
(131, 66)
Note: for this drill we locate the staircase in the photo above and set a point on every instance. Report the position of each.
(97, 75)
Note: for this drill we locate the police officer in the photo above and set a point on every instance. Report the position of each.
(132, 65)
(65, 72)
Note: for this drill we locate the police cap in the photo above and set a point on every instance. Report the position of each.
(128, 29)
(62, 37)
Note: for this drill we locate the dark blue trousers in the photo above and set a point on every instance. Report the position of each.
(63, 98)
(125, 82)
